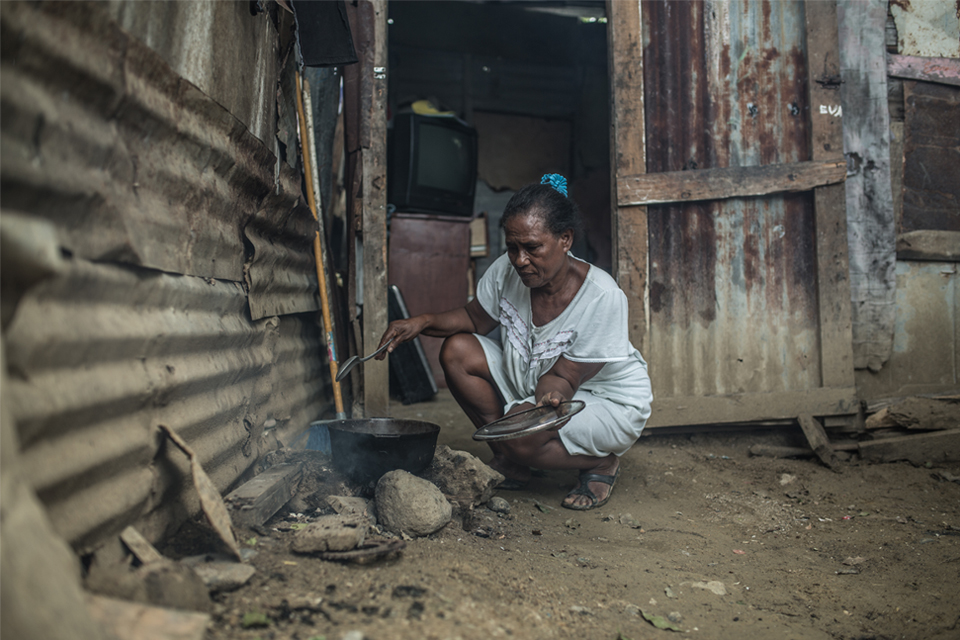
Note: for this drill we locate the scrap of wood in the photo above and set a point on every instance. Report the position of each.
(928, 244)
(729, 182)
(817, 438)
(873, 406)
(139, 546)
(210, 499)
(918, 413)
(942, 70)
(134, 621)
(775, 451)
(918, 448)
(256, 501)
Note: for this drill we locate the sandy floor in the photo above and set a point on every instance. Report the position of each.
(717, 543)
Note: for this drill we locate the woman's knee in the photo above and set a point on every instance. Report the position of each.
(460, 350)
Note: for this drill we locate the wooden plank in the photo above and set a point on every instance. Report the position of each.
(258, 500)
(817, 438)
(942, 70)
(932, 245)
(865, 120)
(920, 448)
(728, 182)
(918, 413)
(373, 136)
(139, 546)
(833, 283)
(133, 621)
(752, 407)
(630, 239)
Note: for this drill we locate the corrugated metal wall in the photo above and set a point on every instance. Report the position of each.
(180, 288)
(732, 283)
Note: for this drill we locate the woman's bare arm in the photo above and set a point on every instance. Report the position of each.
(468, 319)
(563, 379)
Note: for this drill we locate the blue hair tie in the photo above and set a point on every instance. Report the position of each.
(556, 181)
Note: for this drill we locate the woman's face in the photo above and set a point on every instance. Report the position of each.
(536, 254)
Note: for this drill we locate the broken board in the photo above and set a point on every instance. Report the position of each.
(817, 438)
(919, 448)
(256, 501)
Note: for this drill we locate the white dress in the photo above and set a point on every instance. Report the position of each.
(593, 328)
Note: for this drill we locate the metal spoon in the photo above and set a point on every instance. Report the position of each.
(353, 361)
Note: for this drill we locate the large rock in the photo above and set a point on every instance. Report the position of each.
(462, 476)
(330, 533)
(411, 505)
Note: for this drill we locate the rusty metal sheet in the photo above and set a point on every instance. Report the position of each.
(133, 163)
(926, 346)
(219, 47)
(931, 146)
(281, 273)
(732, 284)
(929, 29)
(101, 355)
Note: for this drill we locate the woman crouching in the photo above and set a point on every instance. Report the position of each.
(564, 336)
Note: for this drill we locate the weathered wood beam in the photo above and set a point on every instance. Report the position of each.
(751, 407)
(630, 237)
(829, 201)
(942, 70)
(730, 182)
(256, 501)
(817, 438)
(372, 15)
(920, 448)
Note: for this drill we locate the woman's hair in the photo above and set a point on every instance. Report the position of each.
(559, 213)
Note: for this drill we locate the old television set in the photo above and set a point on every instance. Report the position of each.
(432, 164)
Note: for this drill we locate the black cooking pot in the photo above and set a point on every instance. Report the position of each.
(366, 449)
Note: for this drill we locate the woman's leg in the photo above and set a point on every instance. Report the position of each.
(471, 383)
(545, 450)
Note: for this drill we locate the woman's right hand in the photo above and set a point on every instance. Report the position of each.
(400, 331)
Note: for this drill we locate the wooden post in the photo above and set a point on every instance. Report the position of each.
(833, 270)
(628, 157)
(373, 135)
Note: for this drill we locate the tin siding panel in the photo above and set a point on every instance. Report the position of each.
(104, 355)
(145, 187)
(733, 283)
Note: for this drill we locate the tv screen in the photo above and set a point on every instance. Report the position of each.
(432, 165)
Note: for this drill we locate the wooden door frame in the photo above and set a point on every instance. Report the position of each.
(632, 188)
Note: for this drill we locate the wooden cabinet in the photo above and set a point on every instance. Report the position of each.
(429, 260)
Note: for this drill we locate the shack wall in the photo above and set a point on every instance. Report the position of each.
(156, 257)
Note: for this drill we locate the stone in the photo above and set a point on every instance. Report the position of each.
(174, 586)
(330, 533)
(224, 576)
(411, 505)
(714, 586)
(353, 507)
(462, 476)
(498, 505)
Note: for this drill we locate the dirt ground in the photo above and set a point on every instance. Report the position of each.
(713, 541)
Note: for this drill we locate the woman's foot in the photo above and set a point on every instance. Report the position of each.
(599, 485)
(517, 475)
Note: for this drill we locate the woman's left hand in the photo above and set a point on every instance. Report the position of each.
(552, 399)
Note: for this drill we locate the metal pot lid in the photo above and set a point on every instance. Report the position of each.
(523, 423)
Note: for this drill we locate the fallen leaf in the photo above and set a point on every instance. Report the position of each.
(659, 621)
(254, 619)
